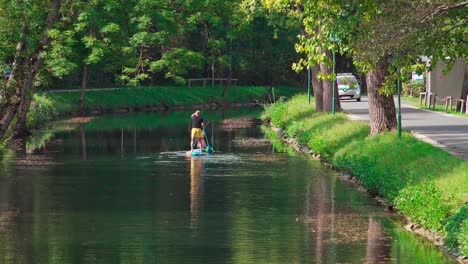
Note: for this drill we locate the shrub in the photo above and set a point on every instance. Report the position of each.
(425, 205)
(276, 113)
(413, 88)
(42, 110)
(2, 150)
(457, 230)
(318, 143)
(295, 129)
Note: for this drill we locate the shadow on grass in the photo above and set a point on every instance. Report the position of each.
(358, 135)
(303, 115)
(396, 162)
(325, 122)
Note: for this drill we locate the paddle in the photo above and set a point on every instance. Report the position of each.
(195, 142)
(209, 149)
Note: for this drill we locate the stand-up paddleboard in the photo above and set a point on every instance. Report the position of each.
(198, 152)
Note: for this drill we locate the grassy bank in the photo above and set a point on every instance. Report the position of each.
(414, 101)
(47, 106)
(162, 96)
(425, 183)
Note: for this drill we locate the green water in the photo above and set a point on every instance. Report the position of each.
(120, 190)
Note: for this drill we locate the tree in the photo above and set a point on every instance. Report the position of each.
(318, 20)
(93, 38)
(393, 34)
(381, 36)
(32, 41)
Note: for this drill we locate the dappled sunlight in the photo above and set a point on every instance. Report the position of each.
(455, 182)
(342, 228)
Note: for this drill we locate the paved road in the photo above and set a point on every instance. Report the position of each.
(442, 130)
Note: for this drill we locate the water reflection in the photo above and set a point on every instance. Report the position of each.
(197, 168)
(126, 195)
(84, 151)
(378, 249)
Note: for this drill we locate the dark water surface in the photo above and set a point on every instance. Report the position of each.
(120, 190)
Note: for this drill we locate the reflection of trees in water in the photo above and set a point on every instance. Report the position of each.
(344, 228)
(378, 249)
(320, 209)
(197, 168)
(236, 123)
(331, 228)
(84, 152)
(17, 202)
(251, 142)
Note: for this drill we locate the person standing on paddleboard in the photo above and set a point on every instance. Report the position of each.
(197, 133)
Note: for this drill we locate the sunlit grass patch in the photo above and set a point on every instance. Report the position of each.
(163, 96)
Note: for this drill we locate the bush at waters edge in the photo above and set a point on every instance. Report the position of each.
(425, 183)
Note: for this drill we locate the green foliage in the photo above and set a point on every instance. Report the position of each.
(426, 183)
(42, 110)
(425, 205)
(318, 143)
(2, 150)
(277, 142)
(276, 113)
(177, 64)
(295, 129)
(413, 88)
(38, 140)
(456, 228)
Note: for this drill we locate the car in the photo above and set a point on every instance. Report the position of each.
(348, 86)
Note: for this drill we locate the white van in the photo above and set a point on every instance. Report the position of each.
(348, 86)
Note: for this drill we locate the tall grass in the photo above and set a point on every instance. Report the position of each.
(425, 183)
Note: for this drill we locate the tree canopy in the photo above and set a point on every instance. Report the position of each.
(63, 43)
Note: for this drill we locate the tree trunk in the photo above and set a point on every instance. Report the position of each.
(317, 88)
(25, 76)
(226, 87)
(223, 96)
(381, 106)
(84, 152)
(25, 70)
(84, 84)
(327, 86)
(21, 128)
(378, 248)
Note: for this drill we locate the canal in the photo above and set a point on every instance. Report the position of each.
(119, 189)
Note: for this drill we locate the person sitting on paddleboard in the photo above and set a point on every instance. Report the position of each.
(197, 132)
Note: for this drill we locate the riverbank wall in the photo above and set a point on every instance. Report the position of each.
(424, 183)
